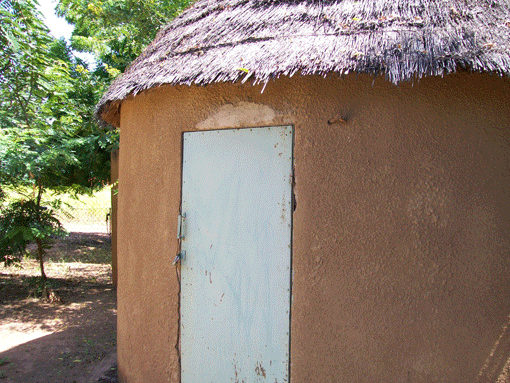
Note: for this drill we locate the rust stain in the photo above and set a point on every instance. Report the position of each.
(235, 373)
(259, 370)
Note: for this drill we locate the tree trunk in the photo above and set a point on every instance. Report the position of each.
(40, 248)
(40, 257)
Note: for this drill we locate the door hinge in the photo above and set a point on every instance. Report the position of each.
(180, 224)
(180, 237)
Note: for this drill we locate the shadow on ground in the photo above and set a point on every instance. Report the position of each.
(73, 341)
(79, 247)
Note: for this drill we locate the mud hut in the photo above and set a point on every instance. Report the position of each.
(340, 170)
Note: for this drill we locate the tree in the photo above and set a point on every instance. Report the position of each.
(117, 31)
(48, 139)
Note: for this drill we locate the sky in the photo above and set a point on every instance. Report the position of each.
(59, 27)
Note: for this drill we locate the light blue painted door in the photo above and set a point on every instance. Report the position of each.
(236, 273)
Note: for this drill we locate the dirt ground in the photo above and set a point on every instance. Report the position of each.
(69, 341)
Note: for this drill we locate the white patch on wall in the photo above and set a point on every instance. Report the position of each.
(242, 114)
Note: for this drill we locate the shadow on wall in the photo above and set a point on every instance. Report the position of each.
(496, 368)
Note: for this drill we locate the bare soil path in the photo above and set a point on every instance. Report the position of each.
(72, 341)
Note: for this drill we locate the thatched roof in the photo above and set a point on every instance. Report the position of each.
(258, 40)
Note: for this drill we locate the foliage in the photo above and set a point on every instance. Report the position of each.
(117, 31)
(48, 138)
(24, 43)
(47, 97)
(22, 222)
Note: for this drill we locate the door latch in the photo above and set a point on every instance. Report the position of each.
(179, 257)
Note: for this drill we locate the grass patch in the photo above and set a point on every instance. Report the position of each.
(87, 209)
(88, 254)
(77, 213)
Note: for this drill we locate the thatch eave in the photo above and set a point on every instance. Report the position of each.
(259, 40)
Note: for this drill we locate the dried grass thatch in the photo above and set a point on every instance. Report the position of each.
(258, 40)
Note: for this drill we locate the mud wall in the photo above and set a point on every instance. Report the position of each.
(114, 178)
(401, 231)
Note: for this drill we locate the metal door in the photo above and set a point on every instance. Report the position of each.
(236, 272)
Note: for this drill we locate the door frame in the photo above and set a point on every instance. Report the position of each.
(290, 253)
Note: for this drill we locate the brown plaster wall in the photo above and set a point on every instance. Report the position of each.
(113, 219)
(401, 232)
